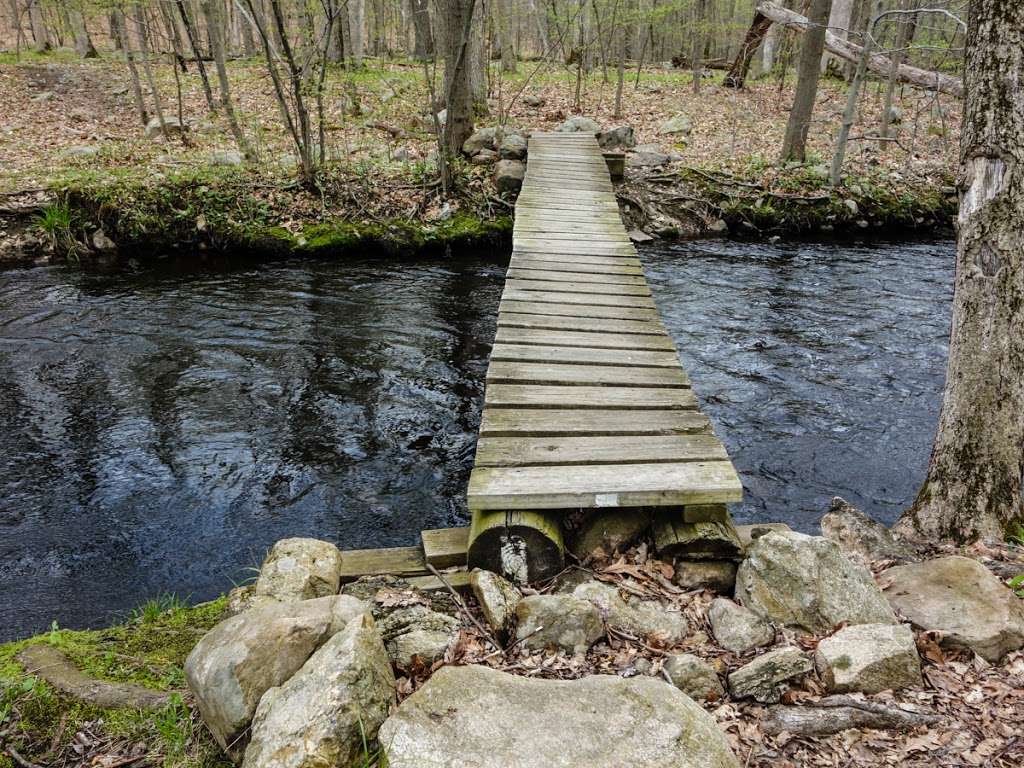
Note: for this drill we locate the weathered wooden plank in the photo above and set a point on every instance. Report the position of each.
(516, 284)
(594, 240)
(397, 561)
(581, 215)
(445, 547)
(457, 580)
(611, 485)
(577, 267)
(566, 451)
(576, 310)
(554, 276)
(580, 262)
(533, 353)
(574, 338)
(590, 299)
(512, 422)
(500, 372)
(580, 396)
(595, 324)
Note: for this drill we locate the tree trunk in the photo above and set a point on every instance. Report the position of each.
(216, 27)
(356, 21)
(794, 145)
(125, 44)
(737, 74)
(851, 106)
(903, 35)
(458, 94)
(142, 29)
(838, 25)
(503, 23)
(190, 32)
(975, 477)
(83, 42)
(424, 46)
(700, 20)
(40, 33)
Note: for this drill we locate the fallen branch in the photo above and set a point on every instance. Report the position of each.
(768, 11)
(839, 713)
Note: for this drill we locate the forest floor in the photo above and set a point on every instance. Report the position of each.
(70, 131)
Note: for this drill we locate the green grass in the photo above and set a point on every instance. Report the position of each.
(148, 649)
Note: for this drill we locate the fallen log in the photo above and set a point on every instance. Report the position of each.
(768, 12)
(839, 713)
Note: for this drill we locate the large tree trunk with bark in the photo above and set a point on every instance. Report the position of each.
(40, 33)
(975, 477)
(458, 94)
(737, 74)
(424, 39)
(877, 63)
(794, 144)
(83, 42)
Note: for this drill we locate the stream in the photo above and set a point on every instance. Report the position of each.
(162, 428)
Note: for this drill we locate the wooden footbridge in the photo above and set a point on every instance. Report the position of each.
(587, 406)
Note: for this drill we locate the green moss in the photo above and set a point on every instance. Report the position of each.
(150, 650)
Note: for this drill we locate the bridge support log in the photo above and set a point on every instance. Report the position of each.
(522, 545)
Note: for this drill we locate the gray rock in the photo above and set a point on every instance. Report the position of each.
(508, 175)
(416, 631)
(717, 575)
(482, 138)
(566, 622)
(607, 531)
(748, 533)
(895, 115)
(173, 127)
(636, 616)
(619, 137)
(404, 154)
(300, 569)
(484, 157)
(767, 677)
(323, 714)
(534, 101)
(678, 124)
(963, 600)
(805, 582)
(646, 155)
(858, 534)
(737, 629)
(227, 157)
(639, 236)
(102, 243)
(242, 657)
(694, 677)
(578, 124)
(851, 206)
(480, 717)
(512, 147)
(869, 658)
(497, 598)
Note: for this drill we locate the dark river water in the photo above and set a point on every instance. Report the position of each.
(161, 429)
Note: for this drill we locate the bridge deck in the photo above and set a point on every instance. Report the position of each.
(586, 403)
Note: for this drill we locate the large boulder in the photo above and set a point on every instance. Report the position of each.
(326, 712)
(869, 658)
(482, 138)
(736, 628)
(480, 717)
(679, 123)
(242, 657)
(961, 599)
(578, 124)
(300, 569)
(636, 616)
(717, 575)
(172, 126)
(619, 137)
(767, 677)
(497, 598)
(417, 631)
(512, 147)
(509, 175)
(694, 677)
(565, 622)
(806, 583)
(646, 155)
(858, 534)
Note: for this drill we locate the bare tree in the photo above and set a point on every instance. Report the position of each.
(794, 144)
(125, 43)
(83, 42)
(190, 32)
(215, 26)
(975, 482)
(40, 34)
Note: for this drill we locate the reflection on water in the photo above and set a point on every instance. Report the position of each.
(821, 366)
(161, 430)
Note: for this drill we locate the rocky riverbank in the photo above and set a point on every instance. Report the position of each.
(806, 650)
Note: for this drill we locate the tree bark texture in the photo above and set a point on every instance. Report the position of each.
(737, 74)
(424, 39)
(458, 93)
(794, 144)
(975, 476)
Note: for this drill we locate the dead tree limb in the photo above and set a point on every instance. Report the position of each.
(774, 13)
(839, 713)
